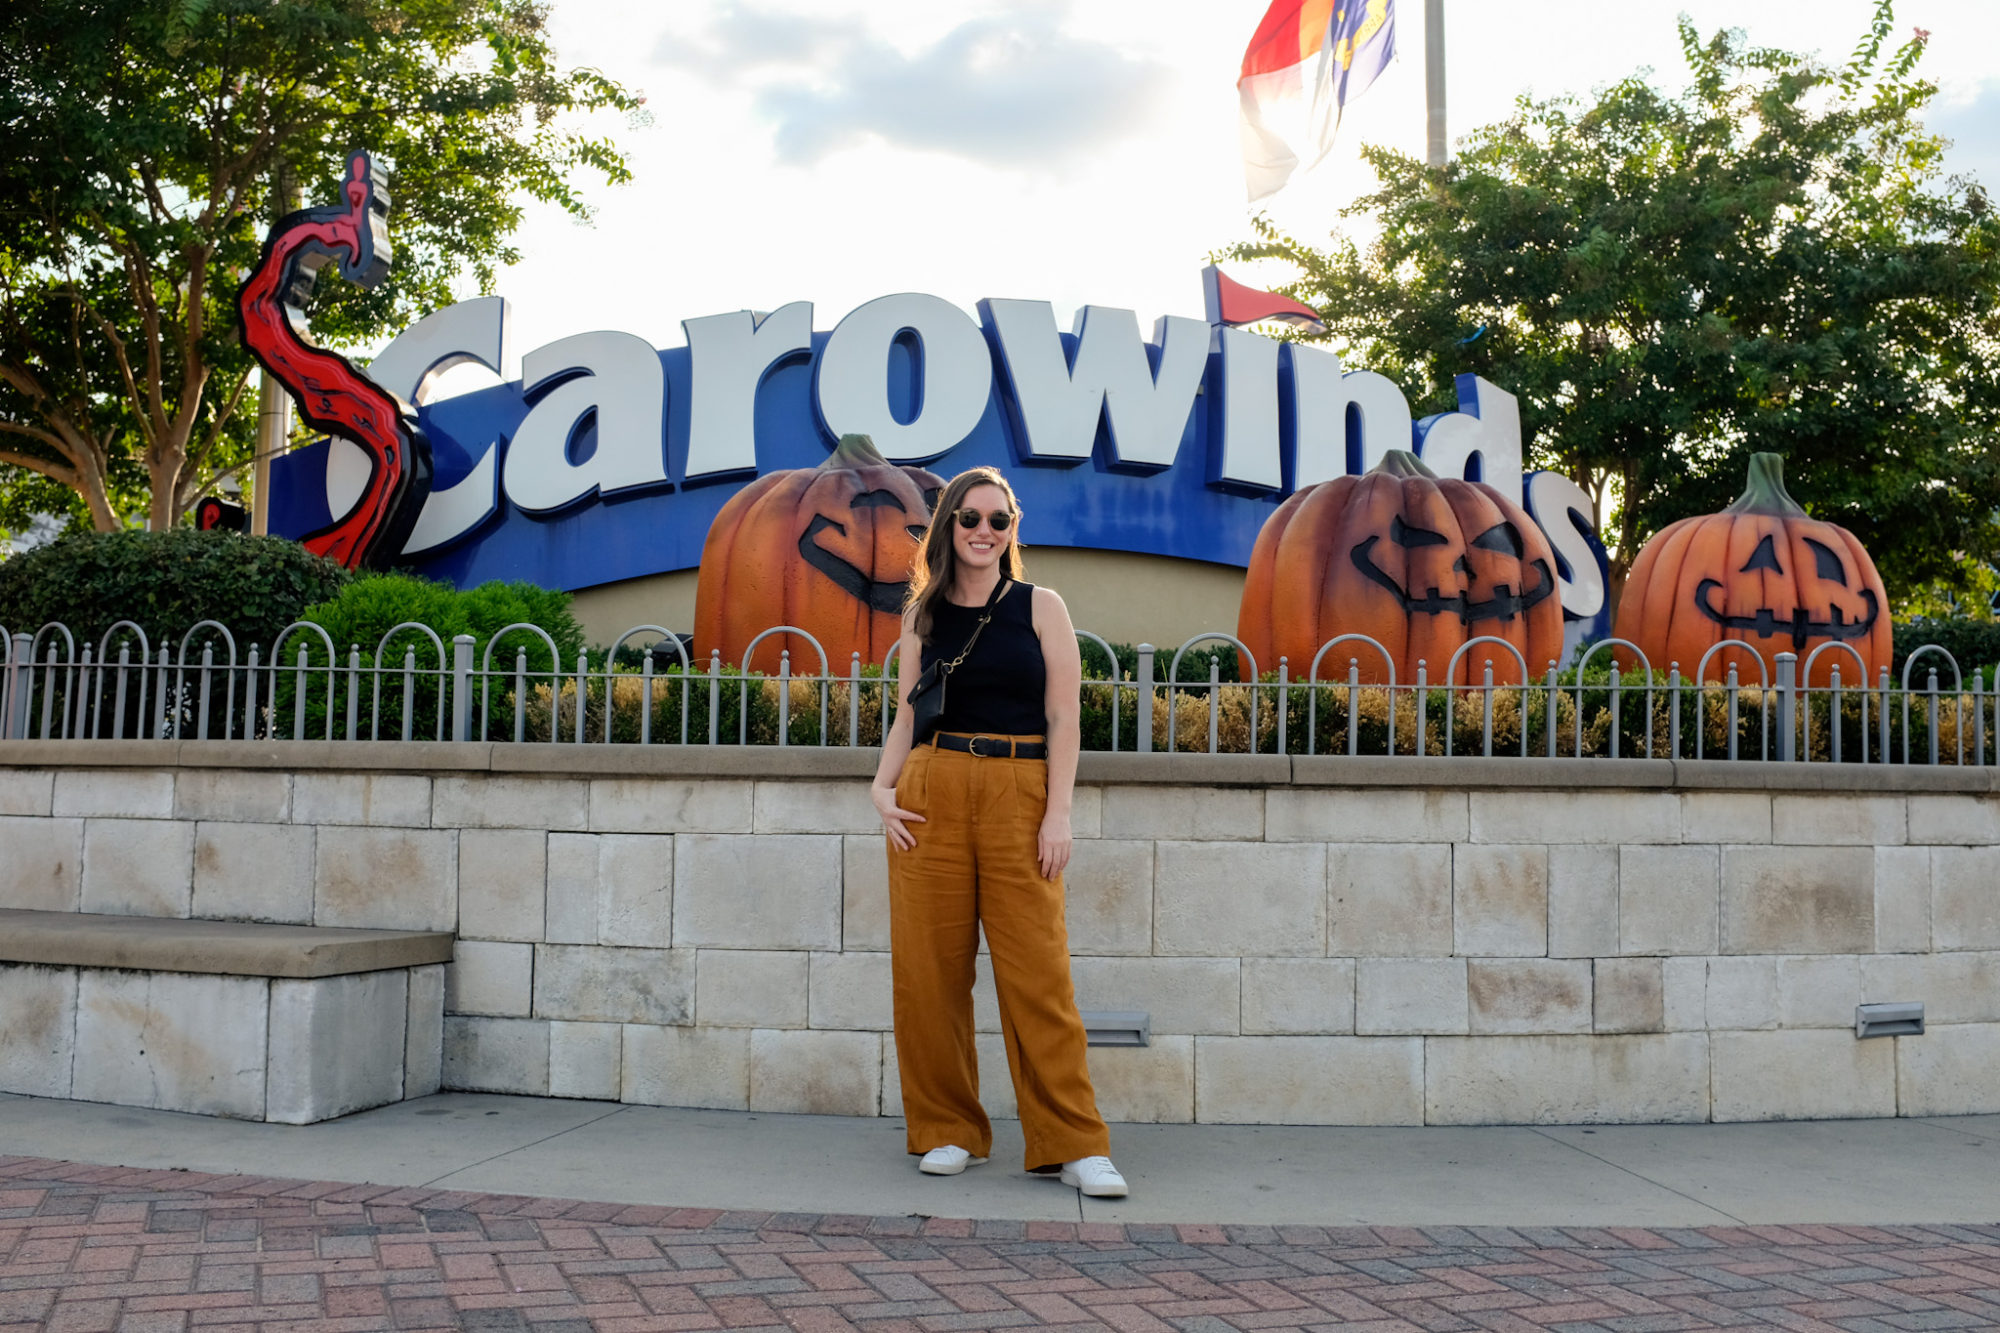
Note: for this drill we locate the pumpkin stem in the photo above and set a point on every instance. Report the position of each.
(855, 451)
(1766, 492)
(1403, 463)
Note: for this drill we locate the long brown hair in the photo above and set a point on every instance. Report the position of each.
(936, 567)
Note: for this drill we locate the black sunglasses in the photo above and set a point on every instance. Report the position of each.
(1000, 519)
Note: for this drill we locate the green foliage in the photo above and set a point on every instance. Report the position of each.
(144, 146)
(1768, 260)
(166, 582)
(1973, 644)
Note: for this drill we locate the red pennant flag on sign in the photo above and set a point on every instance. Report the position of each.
(1230, 302)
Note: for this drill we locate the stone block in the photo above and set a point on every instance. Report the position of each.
(1798, 899)
(588, 984)
(1309, 1080)
(1566, 1080)
(1086, 812)
(1500, 901)
(986, 997)
(1972, 821)
(502, 883)
(1145, 1085)
(336, 1045)
(1965, 897)
(172, 1041)
(1318, 814)
(1828, 819)
(699, 1067)
(1953, 1069)
(584, 1060)
(1268, 899)
(635, 894)
(851, 990)
(815, 1073)
(386, 878)
(235, 796)
(491, 978)
(750, 988)
(1410, 996)
(1308, 997)
(1954, 987)
(997, 1094)
(1388, 900)
(109, 793)
(814, 807)
(1517, 996)
(892, 1082)
(1583, 901)
(24, 792)
(1725, 816)
(1805, 1075)
(572, 906)
(253, 872)
(1575, 816)
(1903, 899)
(43, 868)
(1668, 900)
(1184, 995)
(1204, 813)
(423, 1042)
(1818, 992)
(1684, 994)
(1109, 897)
(864, 888)
(1628, 995)
(669, 805)
(776, 891)
(138, 867)
(496, 1055)
(38, 1038)
(1742, 993)
(509, 802)
(394, 799)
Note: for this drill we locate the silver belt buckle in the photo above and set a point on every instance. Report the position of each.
(988, 754)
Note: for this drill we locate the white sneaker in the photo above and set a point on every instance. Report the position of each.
(949, 1161)
(1094, 1176)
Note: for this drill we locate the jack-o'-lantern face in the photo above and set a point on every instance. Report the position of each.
(1762, 572)
(1419, 563)
(827, 549)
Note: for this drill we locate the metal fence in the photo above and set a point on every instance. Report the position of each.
(646, 689)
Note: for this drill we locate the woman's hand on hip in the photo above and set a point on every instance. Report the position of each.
(894, 817)
(1052, 845)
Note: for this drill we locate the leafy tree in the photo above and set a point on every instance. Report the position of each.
(1771, 259)
(142, 146)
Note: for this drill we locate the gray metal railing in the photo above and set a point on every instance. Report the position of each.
(1213, 697)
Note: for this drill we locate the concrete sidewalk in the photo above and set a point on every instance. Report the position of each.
(1872, 1171)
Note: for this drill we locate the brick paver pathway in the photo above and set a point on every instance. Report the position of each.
(107, 1248)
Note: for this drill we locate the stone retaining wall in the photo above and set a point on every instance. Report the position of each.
(1332, 940)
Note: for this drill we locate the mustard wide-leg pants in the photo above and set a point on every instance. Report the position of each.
(975, 864)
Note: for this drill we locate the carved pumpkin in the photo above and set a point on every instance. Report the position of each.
(1763, 572)
(825, 548)
(1419, 563)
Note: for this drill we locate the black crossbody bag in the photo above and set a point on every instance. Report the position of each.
(927, 695)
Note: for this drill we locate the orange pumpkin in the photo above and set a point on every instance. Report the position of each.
(1419, 563)
(825, 548)
(1762, 572)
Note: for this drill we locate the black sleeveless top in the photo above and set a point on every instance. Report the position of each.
(999, 689)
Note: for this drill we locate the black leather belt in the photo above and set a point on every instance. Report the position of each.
(992, 747)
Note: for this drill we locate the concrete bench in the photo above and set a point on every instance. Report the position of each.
(255, 1022)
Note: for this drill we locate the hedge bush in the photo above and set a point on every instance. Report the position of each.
(1974, 643)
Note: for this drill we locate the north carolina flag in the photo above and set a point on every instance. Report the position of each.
(1306, 59)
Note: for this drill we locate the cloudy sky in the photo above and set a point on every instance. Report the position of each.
(1069, 150)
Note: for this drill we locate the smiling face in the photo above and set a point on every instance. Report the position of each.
(981, 549)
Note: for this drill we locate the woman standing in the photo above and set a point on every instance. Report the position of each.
(977, 816)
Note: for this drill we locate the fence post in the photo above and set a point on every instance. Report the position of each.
(461, 687)
(18, 669)
(1788, 706)
(1144, 691)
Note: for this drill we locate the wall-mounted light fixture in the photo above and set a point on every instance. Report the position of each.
(1895, 1019)
(1118, 1027)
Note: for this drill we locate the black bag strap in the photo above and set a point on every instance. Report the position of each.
(946, 668)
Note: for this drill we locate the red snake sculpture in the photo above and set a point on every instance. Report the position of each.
(333, 394)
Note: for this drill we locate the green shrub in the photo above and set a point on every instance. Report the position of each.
(1974, 643)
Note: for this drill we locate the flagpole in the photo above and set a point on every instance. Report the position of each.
(1434, 80)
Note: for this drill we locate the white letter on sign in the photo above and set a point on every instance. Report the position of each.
(1112, 377)
(617, 377)
(1246, 451)
(1481, 441)
(1342, 422)
(954, 369)
(728, 358)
